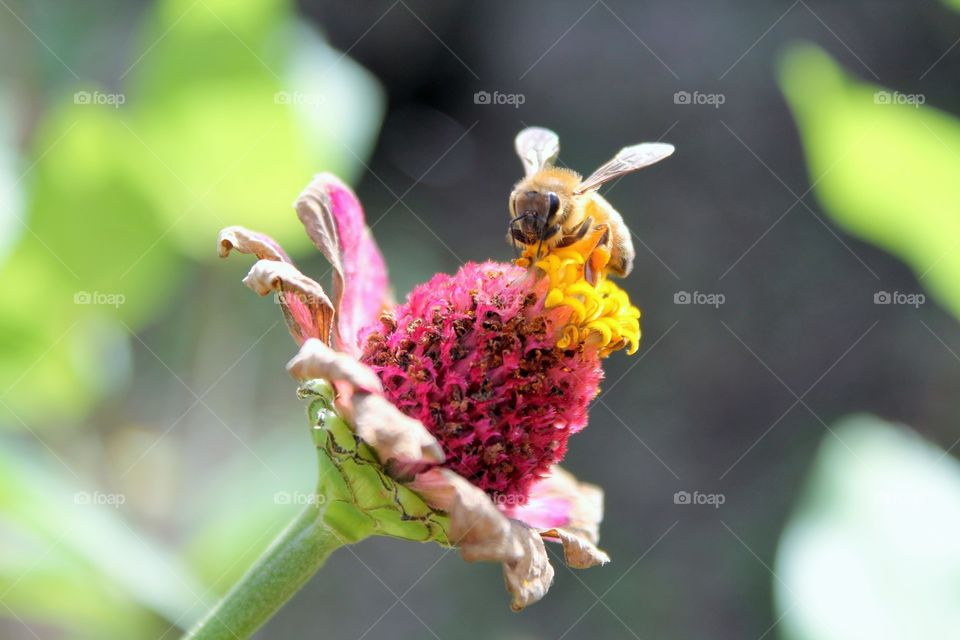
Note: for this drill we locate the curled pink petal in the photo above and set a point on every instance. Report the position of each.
(334, 220)
(305, 306)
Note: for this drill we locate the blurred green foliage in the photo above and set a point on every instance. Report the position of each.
(69, 558)
(884, 165)
(227, 111)
(870, 551)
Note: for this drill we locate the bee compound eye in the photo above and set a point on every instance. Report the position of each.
(554, 204)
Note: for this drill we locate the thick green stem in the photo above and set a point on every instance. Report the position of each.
(297, 553)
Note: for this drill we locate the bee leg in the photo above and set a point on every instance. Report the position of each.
(516, 235)
(599, 257)
(548, 232)
(576, 237)
(519, 240)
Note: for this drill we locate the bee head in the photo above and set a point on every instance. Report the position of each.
(534, 211)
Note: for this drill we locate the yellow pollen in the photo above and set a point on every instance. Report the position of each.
(600, 314)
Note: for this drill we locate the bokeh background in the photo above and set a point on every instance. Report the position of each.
(797, 262)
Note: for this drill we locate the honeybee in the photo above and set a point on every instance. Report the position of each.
(553, 207)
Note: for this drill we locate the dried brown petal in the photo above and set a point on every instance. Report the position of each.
(476, 525)
(393, 435)
(317, 360)
(247, 241)
(306, 308)
(578, 551)
(483, 533)
(529, 578)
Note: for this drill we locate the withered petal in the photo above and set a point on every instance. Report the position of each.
(578, 551)
(476, 525)
(306, 308)
(317, 360)
(391, 433)
(483, 533)
(529, 578)
(246, 241)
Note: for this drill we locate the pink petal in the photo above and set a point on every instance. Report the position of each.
(566, 511)
(560, 500)
(334, 220)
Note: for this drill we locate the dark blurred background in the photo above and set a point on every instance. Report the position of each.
(192, 420)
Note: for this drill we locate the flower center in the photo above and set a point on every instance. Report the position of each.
(600, 314)
(476, 357)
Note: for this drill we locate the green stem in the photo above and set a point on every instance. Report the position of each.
(297, 553)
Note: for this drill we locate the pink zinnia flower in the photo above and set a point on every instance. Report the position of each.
(466, 393)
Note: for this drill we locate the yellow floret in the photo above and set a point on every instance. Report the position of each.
(600, 314)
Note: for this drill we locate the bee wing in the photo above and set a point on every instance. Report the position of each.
(537, 147)
(627, 159)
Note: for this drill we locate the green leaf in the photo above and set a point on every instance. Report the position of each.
(871, 549)
(885, 167)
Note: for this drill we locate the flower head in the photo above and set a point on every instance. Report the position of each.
(444, 418)
(474, 357)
